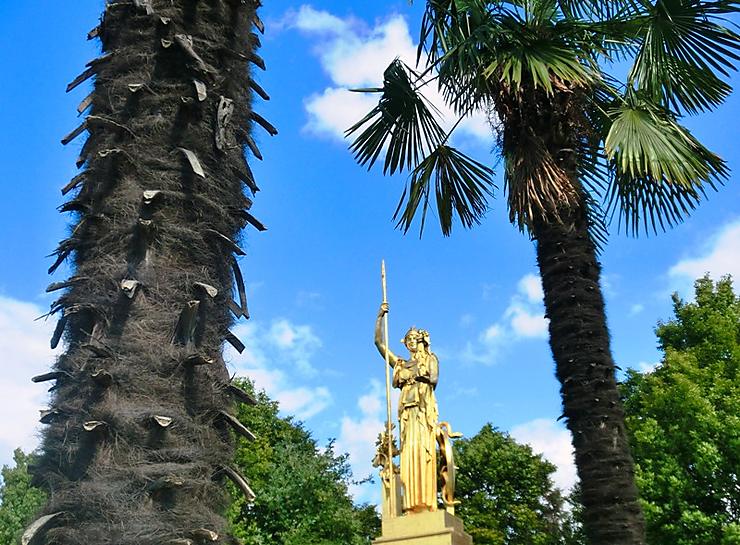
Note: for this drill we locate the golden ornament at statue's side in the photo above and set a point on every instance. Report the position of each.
(385, 446)
(416, 377)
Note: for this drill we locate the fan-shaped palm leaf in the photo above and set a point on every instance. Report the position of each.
(403, 121)
(660, 170)
(683, 52)
(461, 187)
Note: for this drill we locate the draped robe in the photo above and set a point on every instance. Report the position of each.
(418, 416)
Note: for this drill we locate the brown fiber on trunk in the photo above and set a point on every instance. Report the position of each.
(580, 344)
(137, 444)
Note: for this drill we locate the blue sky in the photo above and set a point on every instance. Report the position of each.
(313, 278)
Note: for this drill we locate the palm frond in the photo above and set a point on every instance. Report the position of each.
(597, 10)
(685, 51)
(447, 23)
(660, 170)
(404, 122)
(540, 62)
(461, 189)
(469, 27)
(529, 51)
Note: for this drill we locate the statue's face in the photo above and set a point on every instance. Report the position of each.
(412, 342)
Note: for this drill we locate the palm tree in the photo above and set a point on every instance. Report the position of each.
(579, 146)
(138, 439)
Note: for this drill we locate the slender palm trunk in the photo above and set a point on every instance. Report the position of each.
(138, 440)
(579, 340)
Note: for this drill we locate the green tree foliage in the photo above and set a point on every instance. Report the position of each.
(507, 495)
(684, 423)
(302, 490)
(19, 501)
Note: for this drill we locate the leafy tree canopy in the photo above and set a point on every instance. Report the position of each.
(19, 501)
(302, 490)
(507, 495)
(684, 422)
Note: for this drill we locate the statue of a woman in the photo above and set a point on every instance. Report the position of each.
(416, 377)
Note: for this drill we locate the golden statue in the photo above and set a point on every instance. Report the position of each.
(413, 488)
(416, 377)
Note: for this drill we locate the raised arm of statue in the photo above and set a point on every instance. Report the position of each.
(392, 358)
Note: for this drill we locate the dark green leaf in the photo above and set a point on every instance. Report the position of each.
(684, 51)
(460, 184)
(404, 124)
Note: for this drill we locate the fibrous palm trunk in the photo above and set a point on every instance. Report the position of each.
(579, 340)
(545, 137)
(138, 441)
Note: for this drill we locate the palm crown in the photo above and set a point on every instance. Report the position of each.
(572, 135)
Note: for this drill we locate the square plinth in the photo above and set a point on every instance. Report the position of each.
(432, 528)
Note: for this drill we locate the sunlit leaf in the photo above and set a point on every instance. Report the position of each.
(661, 170)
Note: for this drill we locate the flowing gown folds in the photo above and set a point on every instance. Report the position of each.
(418, 415)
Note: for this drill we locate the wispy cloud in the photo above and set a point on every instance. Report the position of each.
(531, 286)
(278, 360)
(553, 441)
(718, 257)
(355, 55)
(647, 367)
(523, 319)
(357, 438)
(358, 434)
(24, 344)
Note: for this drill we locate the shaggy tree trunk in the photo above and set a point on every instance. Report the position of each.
(138, 443)
(579, 340)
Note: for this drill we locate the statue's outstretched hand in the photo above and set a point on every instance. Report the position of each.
(384, 308)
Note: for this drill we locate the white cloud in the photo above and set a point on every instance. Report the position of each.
(523, 319)
(333, 111)
(531, 286)
(272, 356)
(609, 282)
(310, 19)
(526, 312)
(636, 309)
(553, 441)
(492, 334)
(357, 438)
(24, 344)
(297, 341)
(526, 323)
(646, 367)
(355, 56)
(720, 256)
(304, 402)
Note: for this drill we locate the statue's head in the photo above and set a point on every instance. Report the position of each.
(416, 339)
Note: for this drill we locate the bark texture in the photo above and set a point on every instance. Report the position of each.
(580, 344)
(138, 438)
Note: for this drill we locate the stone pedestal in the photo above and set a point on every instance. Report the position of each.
(431, 528)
